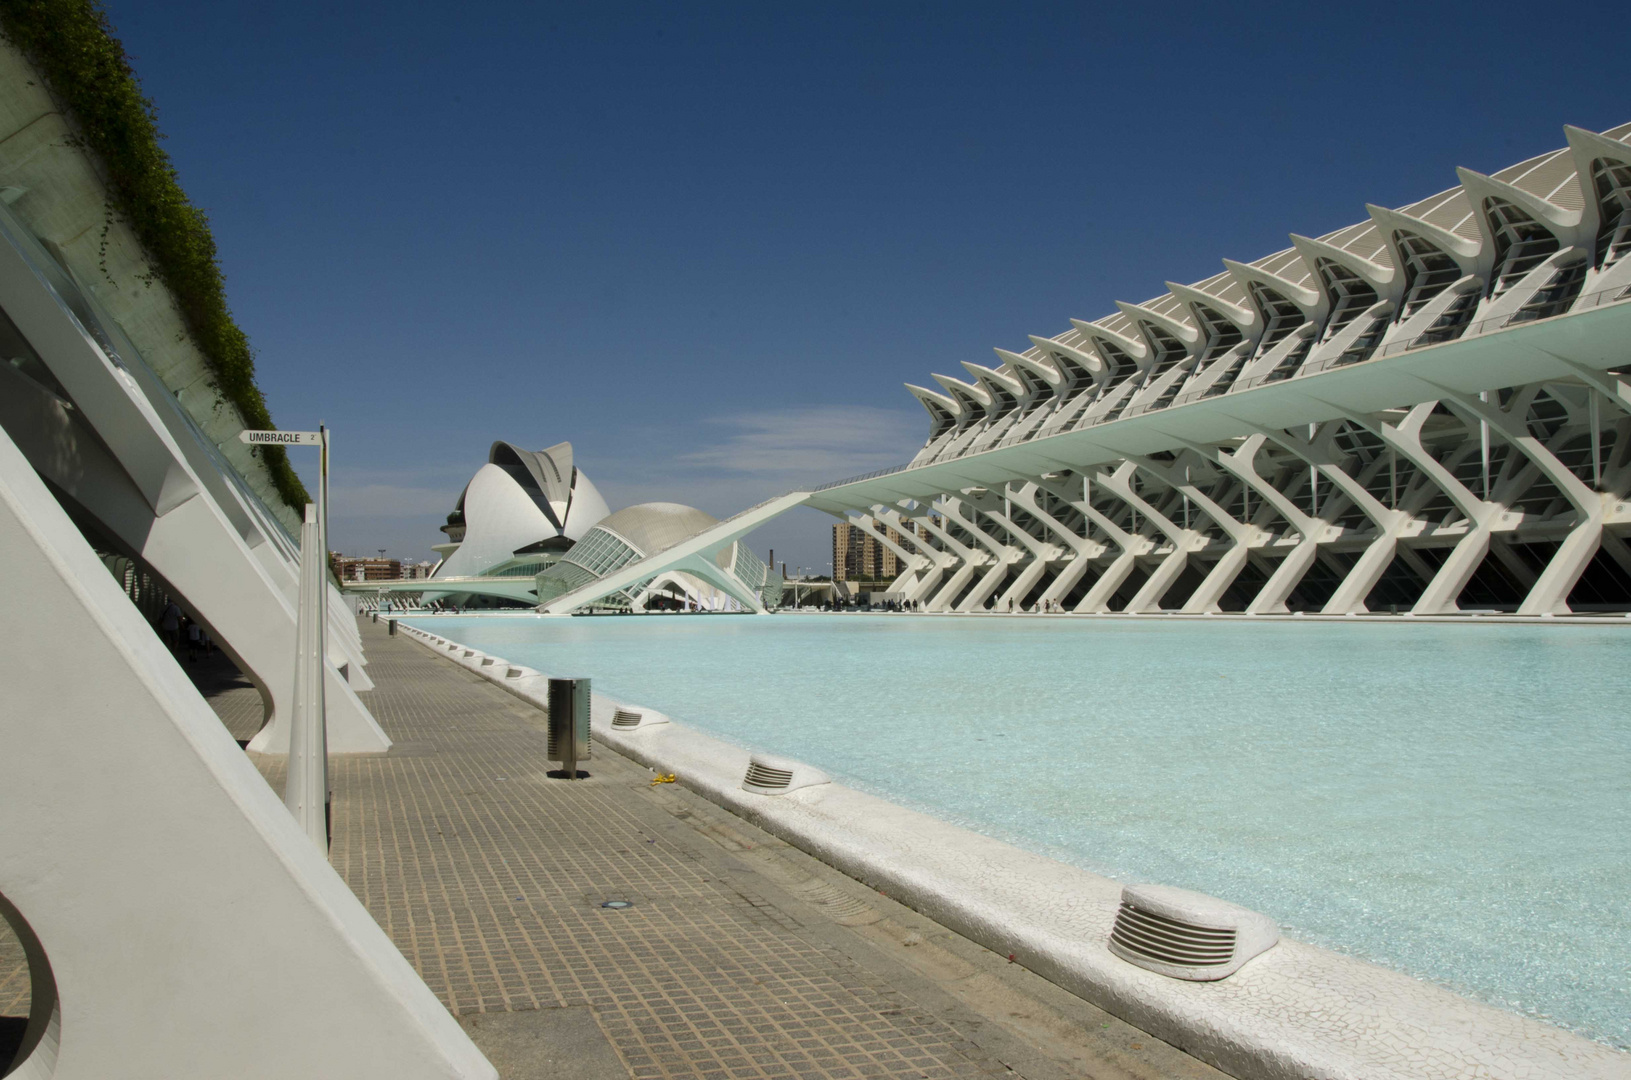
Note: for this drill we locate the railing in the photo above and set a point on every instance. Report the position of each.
(765, 502)
(873, 475)
(1502, 322)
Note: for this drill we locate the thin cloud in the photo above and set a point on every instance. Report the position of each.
(815, 444)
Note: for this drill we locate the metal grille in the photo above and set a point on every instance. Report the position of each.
(1170, 941)
(761, 775)
(623, 718)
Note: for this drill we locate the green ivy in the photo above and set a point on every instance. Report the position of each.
(89, 75)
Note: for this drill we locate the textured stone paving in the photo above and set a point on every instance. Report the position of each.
(489, 876)
(740, 957)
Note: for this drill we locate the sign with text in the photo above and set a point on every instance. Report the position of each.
(282, 438)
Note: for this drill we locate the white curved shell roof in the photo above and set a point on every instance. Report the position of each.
(657, 526)
(519, 498)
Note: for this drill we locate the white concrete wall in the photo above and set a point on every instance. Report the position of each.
(191, 929)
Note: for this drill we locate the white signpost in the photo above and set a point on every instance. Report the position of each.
(306, 788)
(318, 438)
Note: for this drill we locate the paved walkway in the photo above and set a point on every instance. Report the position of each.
(740, 957)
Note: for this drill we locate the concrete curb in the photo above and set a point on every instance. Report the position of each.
(1294, 1012)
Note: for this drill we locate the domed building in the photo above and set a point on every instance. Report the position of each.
(529, 527)
(518, 514)
(734, 579)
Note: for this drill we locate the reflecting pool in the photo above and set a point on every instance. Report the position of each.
(1450, 801)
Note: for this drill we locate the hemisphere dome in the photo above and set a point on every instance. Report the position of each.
(657, 526)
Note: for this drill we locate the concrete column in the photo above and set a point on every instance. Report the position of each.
(1204, 600)
(1086, 550)
(1440, 595)
(1042, 554)
(1097, 598)
(305, 789)
(908, 578)
(1003, 556)
(1349, 597)
(1550, 592)
(1148, 597)
(954, 555)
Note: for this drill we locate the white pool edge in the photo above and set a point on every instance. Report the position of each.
(1297, 1011)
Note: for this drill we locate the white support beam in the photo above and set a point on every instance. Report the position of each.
(142, 850)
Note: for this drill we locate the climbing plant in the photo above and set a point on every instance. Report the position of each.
(88, 74)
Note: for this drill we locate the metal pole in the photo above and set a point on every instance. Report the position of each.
(1483, 443)
(322, 490)
(1596, 441)
(1313, 481)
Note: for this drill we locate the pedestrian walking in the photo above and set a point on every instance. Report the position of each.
(170, 626)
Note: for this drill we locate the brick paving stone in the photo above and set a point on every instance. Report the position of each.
(488, 875)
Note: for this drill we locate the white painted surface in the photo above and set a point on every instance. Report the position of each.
(191, 929)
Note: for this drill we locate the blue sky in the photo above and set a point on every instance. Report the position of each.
(707, 243)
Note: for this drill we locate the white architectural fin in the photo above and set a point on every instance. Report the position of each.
(1085, 362)
(973, 399)
(1312, 301)
(1379, 277)
(944, 412)
(1472, 256)
(1033, 371)
(1480, 187)
(1093, 331)
(1588, 148)
(1180, 330)
(1388, 222)
(1481, 190)
(1245, 321)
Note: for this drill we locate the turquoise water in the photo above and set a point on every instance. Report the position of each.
(1449, 801)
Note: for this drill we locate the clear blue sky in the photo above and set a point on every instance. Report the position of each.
(707, 243)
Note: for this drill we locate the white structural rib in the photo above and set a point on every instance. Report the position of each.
(1040, 377)
(1077, 366)
(1138, 313)
(1564, 223)
(1244, 319)
(1470, 255)
(177, 921)
(1381, 278)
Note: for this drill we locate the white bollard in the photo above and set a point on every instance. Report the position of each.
(305, 791)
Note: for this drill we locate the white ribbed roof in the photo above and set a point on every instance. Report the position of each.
(1549, 176)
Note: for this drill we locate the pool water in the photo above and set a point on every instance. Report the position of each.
(1452, 801)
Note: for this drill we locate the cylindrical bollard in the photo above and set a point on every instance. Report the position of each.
(569, 723)
(392, 624)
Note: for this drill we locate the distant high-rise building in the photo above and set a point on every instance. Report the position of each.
(859, 556)
(347, 568)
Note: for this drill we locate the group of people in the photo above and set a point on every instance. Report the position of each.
(175, 627)
(1045, 607)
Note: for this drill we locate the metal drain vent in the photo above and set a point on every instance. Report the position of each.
(768, 777)
(623, 718)
(1187, 935)
(777, 776)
